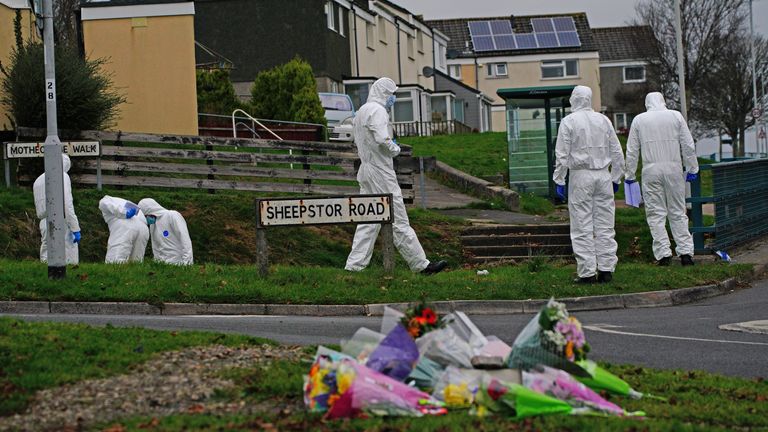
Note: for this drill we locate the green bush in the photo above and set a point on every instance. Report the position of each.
(215, 93)
(287, 92)
(85, 97)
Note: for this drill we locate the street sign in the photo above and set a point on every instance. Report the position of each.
(324, 210)
(18, 150)
(756, 113)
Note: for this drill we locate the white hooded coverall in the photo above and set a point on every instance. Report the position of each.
(661, 135)
(376, 176)
(170, 238)
(73, 225)
(127, 237)
(586, 146)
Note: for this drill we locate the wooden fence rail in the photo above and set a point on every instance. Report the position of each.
(221, 163)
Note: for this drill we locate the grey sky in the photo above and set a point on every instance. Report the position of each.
(601, 13)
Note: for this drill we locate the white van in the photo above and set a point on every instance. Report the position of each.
(339, 113)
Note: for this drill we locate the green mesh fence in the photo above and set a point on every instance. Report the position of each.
(740, 192)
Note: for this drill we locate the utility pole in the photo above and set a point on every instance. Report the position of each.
(54, 170)
(680, 60)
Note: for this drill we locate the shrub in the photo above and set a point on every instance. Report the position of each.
(215, 93)
(287, 92)
(85, 98)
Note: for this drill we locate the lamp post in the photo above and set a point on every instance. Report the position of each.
(54, 170)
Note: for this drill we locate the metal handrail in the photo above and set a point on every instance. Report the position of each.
(258, 120)
(253, 130)
(253, 119)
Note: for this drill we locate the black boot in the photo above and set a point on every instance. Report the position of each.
(664, 261)
(435, 267)
(604, 276)
(686, 260)
(585, 280)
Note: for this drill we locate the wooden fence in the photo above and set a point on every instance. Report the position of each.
(200, 162)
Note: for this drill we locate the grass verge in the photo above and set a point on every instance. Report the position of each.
(34, 356)
(157, 283)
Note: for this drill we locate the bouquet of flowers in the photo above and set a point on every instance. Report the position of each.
(420, 319)
(562, 333)
(551, 338)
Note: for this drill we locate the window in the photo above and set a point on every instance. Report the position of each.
(496, 70)
(454, 71)
(369, 42)
(441, 56)
(458, 109)
(622, 122)
(335, 15)
(559, 69)
(439, 108)
(358, 92)
(420, 41)
(634, 74)
(403, 109)
(409, 47)
(382, 29)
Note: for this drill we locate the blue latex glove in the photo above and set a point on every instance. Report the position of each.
(76, 236)
(691, 177)
(630, 181)
(615, 187)
(560, 191)
(131, 212)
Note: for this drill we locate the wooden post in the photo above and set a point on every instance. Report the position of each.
(388, 246)
(262, 256)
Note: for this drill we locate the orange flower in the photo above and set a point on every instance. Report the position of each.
(421, 320)
(414, 327)
(569, 350)
(429, 315)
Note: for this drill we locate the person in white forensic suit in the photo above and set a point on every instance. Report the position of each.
(663, 139)
(128, 232)
(376, 148)
(73, 225)
(168, 230)
(586, 146)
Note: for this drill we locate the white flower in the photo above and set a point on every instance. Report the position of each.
(555, 337)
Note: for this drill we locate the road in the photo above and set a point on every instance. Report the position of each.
(685, 337)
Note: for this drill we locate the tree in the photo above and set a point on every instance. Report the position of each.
(65, 22)
(215, 93)
(85, 97)
(287, 92)
(726, 93)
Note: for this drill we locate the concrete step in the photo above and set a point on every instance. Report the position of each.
(530, 251)
(517, 229)
(516, 240)
(487, 259)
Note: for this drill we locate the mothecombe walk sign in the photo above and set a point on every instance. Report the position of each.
(18, 150)
(351, 209)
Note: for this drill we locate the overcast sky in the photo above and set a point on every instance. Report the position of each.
(601, 13)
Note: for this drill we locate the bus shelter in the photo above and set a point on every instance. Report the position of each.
(533, 116)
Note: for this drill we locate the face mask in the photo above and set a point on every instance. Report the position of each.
(390, 102)
(151, 220)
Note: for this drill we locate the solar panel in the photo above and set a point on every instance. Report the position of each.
(569, 39)
(542, 25)
(563, 24)
(525, 41)
(501, 27)
(505, 42)
(479, 28)
(547, 40)
(483, 43)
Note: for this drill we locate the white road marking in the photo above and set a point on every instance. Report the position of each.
(605, 329)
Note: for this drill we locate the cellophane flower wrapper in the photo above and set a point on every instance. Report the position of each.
(446, 348)
(515, 401)
(457, 387)
(396, 355)
(362, 344)
(426, 374)
(561, 385)
(390, 319)
(599, 379)
(320, 385)
(529, 350)
(370, 393)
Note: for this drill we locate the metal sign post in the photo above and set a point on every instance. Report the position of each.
(351, 209)
(54, 172)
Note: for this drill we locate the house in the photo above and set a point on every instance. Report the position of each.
(511, 52)
(258, 35)
(151, 50)
(625, 74)
(464, 103)
(9, 10)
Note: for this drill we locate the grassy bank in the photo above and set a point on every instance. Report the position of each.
(47, 355)
(34, 356)
(157, 283)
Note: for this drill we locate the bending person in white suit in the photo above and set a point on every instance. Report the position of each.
(128, 232)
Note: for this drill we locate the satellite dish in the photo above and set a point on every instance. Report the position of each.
(428, 71)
